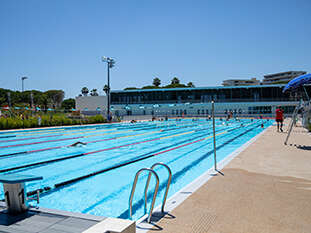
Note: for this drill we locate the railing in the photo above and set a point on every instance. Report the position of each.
(150, 171)
(235, 100)
(167, 185)
(154, 193)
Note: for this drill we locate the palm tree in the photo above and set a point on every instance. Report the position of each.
(94, 92)
(175, 80)
(190, 84)
(156, 82)
(85, 91)
(105, 89)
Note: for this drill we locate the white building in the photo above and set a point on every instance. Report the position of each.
(91, 103)
(282, 77)
(241, 100)
(241, 82)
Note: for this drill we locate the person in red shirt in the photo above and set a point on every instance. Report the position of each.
(279, 118)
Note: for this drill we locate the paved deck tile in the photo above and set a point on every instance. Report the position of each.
(42, 222)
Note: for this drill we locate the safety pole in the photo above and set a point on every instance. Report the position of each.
(214, 138)
(292, 121)
(306, 92)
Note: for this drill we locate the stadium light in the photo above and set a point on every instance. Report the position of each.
(110, 62)
(23, 78)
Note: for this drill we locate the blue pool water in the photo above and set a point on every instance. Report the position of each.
(116, 152)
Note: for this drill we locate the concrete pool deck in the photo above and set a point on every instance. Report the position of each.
(45, 221)
(266, 188)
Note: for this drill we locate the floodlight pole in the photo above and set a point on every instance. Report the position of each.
(110, 64)
(108, 92)
(23, 78)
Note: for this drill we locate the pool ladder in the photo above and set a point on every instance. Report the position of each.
(151, 172)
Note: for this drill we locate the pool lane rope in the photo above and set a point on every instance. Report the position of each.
(58, 147)
(111, 148)
(54, 140)
(74, 180)
(87, 153)
(49, 131)
(46, 141)
(96, 129)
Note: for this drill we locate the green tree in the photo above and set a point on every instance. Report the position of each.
(175, 86)
(15, 98)
(85, 91)
(94, 92)
(3, 96)
(56, 97)
(69, 103)
(105, 89)
(156, 82)
(43, 100)
(149, 87)
(39, 98)
(50, 98)
(190, 84)
(130, 88)
(175, 80)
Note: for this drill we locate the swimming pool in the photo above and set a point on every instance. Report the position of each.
(97, 178)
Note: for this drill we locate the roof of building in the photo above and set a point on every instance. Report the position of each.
(252, 79)
(197, 88)
(280, 73)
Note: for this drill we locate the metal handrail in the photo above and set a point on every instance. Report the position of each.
(154, 194)
(167, 185)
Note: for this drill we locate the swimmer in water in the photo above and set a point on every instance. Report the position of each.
(77, 144)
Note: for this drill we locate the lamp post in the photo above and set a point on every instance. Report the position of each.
(23, 78)
(110, 63)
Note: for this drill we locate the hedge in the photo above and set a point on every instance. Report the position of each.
(47, 120)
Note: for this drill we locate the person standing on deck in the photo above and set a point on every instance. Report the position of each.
(279, 118)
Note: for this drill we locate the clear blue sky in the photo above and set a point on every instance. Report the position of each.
(58, 44)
